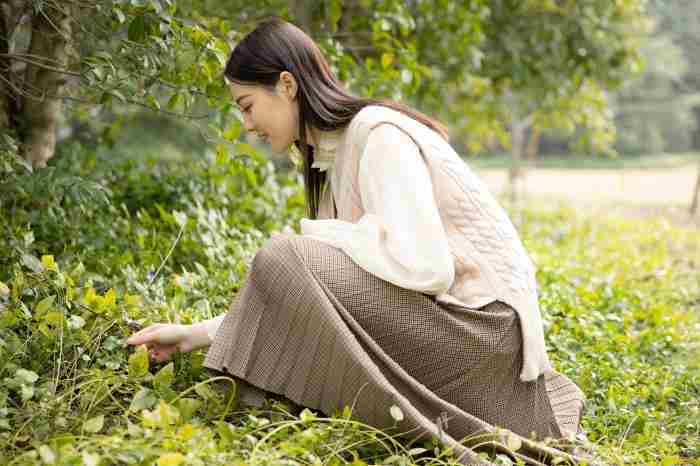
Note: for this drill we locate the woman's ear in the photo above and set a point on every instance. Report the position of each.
(287, 85)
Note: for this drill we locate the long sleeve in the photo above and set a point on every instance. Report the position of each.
(400, 238)
(212, 325)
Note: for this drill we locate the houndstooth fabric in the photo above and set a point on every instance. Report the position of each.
(313, 326)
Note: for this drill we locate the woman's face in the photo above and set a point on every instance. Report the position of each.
(271, 114)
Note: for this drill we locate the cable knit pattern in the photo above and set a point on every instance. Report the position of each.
(490, 261)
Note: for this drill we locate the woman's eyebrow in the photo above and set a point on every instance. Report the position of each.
(238, 100)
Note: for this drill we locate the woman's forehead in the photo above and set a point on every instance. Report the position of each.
(239, 91)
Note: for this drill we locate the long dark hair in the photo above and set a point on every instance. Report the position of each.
(276, 45)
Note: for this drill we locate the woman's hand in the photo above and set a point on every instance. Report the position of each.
(162, 340)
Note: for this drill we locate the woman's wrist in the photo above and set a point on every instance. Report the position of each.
(199, 335)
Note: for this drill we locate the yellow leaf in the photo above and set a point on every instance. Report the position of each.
(170, 459)
(221, 154)
(132, 299)
(110, 298)
(186, 432)
(90, 296)
(49, 263)
(54, 317)
(387, 60)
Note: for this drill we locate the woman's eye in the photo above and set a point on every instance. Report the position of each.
(247, 109)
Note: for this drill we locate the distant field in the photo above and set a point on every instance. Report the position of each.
(502, 161)
(660, 192)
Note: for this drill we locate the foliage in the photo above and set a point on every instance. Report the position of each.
(172, 242)
(478, 65)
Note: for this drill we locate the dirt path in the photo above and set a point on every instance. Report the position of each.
(664, 192)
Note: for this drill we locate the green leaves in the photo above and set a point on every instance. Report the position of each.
(137, 29)
(94, 425)
(138, 363)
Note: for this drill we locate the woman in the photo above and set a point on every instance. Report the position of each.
(408, 286)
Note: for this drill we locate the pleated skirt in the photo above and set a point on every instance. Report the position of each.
(311, 325)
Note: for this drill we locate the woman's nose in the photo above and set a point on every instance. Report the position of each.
(248, 124)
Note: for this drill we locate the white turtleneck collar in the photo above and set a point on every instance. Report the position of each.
(324, 151)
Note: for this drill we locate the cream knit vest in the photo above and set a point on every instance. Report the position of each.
(490, 261)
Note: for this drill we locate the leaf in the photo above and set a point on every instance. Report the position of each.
(54, 317)
(233, 132)
(164, 377)
(32, 263)
(24, 376)
(307, 416)
(109, 301)
(387, 60)
(180, 218)
(26, 392)
(120, 15)
(138, 363)
(45, 304)
(393, 459)
(4, 290)
(170, 459)
(416, 451)
(187, 407)
(174, 101)
(513, 442)
(151, 99)
(75, 322)
(90, 459)
(143, 399)
(137, 29)
(119, 95)
(47, 455)
(204, 391)
(95, 424)
(49, 263)
(396, 413)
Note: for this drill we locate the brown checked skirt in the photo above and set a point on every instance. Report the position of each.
(311, 325)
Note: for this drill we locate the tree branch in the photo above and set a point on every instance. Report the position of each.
(22, 58)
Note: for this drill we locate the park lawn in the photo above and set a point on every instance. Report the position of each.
(620, 300)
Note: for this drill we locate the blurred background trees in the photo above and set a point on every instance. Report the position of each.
(490, 69)
(534, 78)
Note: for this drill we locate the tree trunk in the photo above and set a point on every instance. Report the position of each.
(41, 111)
(518, 129)
(533, 145)
(12, 14)
(6, 91)
(696, 194)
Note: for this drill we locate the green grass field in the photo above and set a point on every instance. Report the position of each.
(172, 242)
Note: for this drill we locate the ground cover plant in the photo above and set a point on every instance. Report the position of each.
(93, 246)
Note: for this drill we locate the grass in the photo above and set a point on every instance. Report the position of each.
(620, 299)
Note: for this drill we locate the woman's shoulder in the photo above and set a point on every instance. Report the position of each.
(374, 113)
(371, 116)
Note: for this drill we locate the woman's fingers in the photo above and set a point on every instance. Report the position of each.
(164, 334)
(143, 336)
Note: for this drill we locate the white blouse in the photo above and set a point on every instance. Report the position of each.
(400, 238)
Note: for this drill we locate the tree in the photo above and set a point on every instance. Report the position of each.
(93, 53)
(680, 20)
(491, 69)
